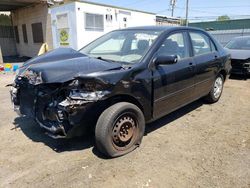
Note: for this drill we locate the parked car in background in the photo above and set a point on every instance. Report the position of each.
(239, 48)
(119, 82)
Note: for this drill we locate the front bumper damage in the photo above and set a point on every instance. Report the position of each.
(240, 67)
(60, 119)
(59, 113)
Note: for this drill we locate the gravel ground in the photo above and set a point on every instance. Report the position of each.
(199, 145)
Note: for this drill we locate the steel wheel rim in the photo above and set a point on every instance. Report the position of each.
(218, 85)
(124, 131)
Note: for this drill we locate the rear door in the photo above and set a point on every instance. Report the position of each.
(205, 58)
(173, 85)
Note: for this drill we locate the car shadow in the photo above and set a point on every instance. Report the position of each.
(32, 130)
(173, 116)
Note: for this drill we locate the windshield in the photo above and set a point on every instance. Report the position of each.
(122, 46)
(239, 43)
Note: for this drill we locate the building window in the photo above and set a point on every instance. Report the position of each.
(37, 31)
(94, 22)
(109, 17)
(16, 34)
(25, 38)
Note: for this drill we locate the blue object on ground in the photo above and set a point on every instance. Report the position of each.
(7, 69)
(15, 67)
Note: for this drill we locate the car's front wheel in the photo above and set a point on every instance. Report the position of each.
(216, 91)
(119, 129)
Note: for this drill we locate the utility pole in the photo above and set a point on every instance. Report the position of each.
(187, 2)
(172, 5)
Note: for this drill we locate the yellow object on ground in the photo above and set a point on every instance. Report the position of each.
(8, 65)
(1, 55)
(44, 48)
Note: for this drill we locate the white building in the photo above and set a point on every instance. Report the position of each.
(76, 23)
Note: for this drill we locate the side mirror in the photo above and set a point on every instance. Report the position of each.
(165, 60)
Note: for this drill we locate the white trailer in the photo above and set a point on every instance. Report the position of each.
(75, 24)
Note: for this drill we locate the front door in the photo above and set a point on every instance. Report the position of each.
(173, 84)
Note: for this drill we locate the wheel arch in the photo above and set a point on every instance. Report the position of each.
(223, 73)
(124, 98)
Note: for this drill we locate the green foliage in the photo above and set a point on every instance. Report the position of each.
(5, 20)
(223, 18)
(183, 22)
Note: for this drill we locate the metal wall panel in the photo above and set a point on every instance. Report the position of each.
(224, 36)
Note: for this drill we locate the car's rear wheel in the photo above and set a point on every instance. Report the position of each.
(216, 91)
(119, 129)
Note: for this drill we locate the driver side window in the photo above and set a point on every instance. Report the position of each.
(174, 45)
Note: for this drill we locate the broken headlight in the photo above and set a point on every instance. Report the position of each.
(87, 85)
(33, 77)
(87, 90)
(87, 95)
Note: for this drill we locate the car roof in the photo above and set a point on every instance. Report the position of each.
(163, 28)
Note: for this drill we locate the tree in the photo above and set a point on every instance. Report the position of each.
(5, 20)
(223, 18)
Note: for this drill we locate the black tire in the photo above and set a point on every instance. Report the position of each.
(122, 117)
(212, 97)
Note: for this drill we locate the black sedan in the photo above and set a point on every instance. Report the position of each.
(239, 48)
(119, 82)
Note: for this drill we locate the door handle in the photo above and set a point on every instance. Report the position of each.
(191, 66)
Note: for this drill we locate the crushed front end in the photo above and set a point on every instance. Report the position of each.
(240, 66)
(63, 109)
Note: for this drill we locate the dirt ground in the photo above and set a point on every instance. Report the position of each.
(199, 145)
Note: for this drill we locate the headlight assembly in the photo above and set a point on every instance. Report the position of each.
(87, 85)
(88, 90)
(86, 95)
(33, 77)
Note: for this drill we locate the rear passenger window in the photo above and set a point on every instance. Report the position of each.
(174, 45)
(201, 43)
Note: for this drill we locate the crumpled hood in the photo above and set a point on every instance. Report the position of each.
(239, 54)
(57, 69)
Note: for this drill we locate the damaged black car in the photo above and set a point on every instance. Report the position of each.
(239, 49)
(119, 82)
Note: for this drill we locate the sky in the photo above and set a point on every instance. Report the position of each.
(199, 10)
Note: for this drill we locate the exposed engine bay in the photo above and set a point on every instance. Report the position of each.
(57, 107)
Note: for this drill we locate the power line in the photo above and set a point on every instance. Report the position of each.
(202, 11)
(191, 10)
(136, 2)
(164, 10)
(239, 6)
(235, 16)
